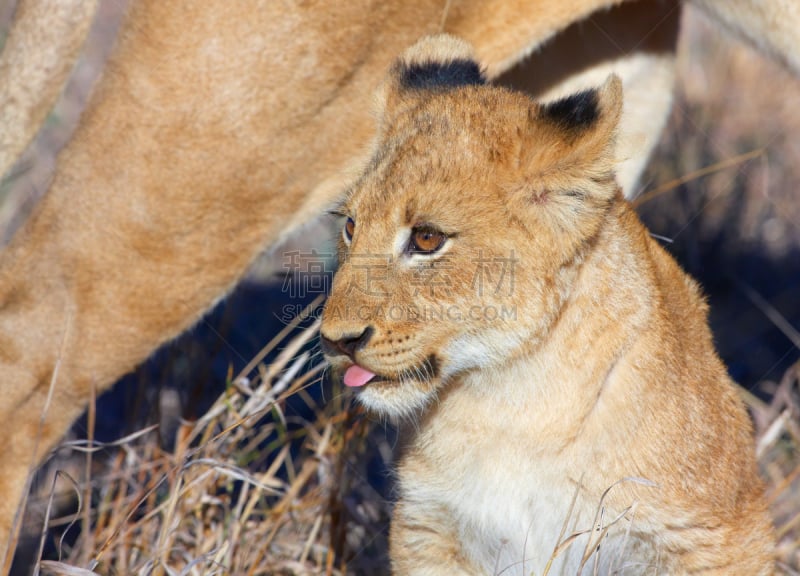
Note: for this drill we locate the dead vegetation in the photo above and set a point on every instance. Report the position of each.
(247, 488)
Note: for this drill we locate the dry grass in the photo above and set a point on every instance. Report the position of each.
(247, 489)
(778, 446)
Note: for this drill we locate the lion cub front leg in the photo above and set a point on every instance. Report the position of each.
(423, 541)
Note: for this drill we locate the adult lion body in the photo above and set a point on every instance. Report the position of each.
(553, 362)
(218, 128)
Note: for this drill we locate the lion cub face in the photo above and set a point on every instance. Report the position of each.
(463, 234)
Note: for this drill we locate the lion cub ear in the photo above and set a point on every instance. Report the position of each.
(586, 122)
(569, 151)
(565, 174)
(433, 64)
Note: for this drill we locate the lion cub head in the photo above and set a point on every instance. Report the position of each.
(463, 235)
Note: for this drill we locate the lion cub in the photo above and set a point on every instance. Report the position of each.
(570, 414)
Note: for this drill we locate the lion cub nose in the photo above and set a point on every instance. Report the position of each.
(346, 344)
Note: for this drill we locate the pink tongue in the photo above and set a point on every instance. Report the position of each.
(357, 376)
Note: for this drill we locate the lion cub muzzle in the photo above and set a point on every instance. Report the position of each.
(347, 344)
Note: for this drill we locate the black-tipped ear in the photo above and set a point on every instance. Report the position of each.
(575, 112)
(433, 75)
(433, 64)
(585, 123)
(593, 109)
(568, 159)
(571, 145)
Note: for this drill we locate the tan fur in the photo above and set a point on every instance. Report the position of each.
(54, 31)
(603, 381)
(218, 128)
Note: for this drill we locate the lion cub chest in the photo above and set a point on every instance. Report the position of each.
(504, 496)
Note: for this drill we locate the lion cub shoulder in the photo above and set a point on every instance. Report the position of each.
(569, 408)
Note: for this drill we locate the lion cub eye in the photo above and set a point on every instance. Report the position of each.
(349, 230)
(425, 240)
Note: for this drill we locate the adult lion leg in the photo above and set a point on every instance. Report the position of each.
(210, 125)
(217, 128)
(39, 54)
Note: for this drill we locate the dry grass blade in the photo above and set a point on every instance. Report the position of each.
(599, 528)
(49, 508)
(280, 337)
(61, 569)
(95, 446)
(778, 319)
(778, 442)
(562, 544)
(695, 174)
